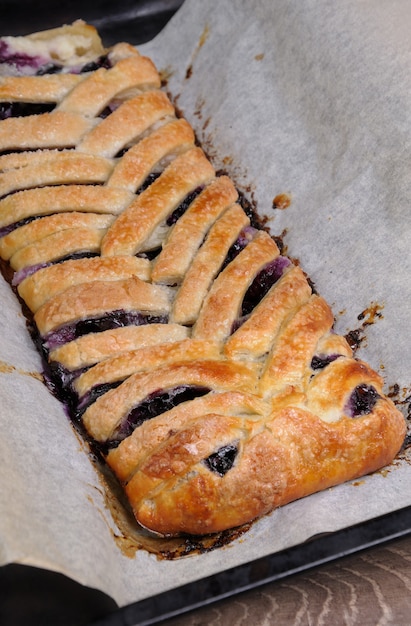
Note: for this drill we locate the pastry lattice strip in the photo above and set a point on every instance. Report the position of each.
(196, 356)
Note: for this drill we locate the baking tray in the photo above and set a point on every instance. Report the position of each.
(49, 597)
(135, 21)
(267, 569)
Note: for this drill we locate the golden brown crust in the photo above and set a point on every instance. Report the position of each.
(49, 281)
(128, 76)
(57, 246)
(89, 300)
(60, 169)
(59, 129)
(44, 201)
(257, 334)
(132, 451)
(44, 227)
(126, 123)
(329, 390)
(288, 363)
(294, 456)
(221, 307)
(188, 234)
(104, 416)
(120, 367)
(90, 349)
(206, 265)
(49, 88)
(267, 402)
(151, 152)
(135, 225)
(183, 453)
(332, 344)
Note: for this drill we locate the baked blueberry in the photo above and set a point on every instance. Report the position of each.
(362, 400)
(222, 461)
(263, 282)
(183, 206)
(320, 361)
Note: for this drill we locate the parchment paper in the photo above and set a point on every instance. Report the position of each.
(310, 99)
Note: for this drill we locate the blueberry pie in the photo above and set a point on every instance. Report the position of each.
(194, 356)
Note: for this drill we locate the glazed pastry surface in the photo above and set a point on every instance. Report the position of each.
(193, 354)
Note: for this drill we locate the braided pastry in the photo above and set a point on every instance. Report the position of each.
(194, 355)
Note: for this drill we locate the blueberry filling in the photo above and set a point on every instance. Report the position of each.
(59, 381)
(320, 361)
(248, 209)
(77, 255)
(5, 230)
(22, 60)
(240, 243)
(263, 282)
(222, 461)
(153, 405)
(361, 401)
(238, 323)
(56, 388)
(148, 181)
(19, 59)
(22, 109)
(260, 286)
(20, 275)
(91, 396)
(64, 376)
(105, 112)
(92, 66)
(112, 319)
(183, 206)
(149, 254)
(41, 65)
(49, 68)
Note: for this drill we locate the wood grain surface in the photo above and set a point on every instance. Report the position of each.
(369, 588)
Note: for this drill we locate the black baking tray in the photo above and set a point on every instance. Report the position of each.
(134, 21)
(313, 553)
(30, 595)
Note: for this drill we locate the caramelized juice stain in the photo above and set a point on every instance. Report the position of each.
(6, 368)
(384, 472)
(165, 75)
(371, 313)
(198, 111)
(282, 201)
(203, 38)
(368, 316)
(355, 338)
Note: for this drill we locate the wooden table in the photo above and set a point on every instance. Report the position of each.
(369, 588)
